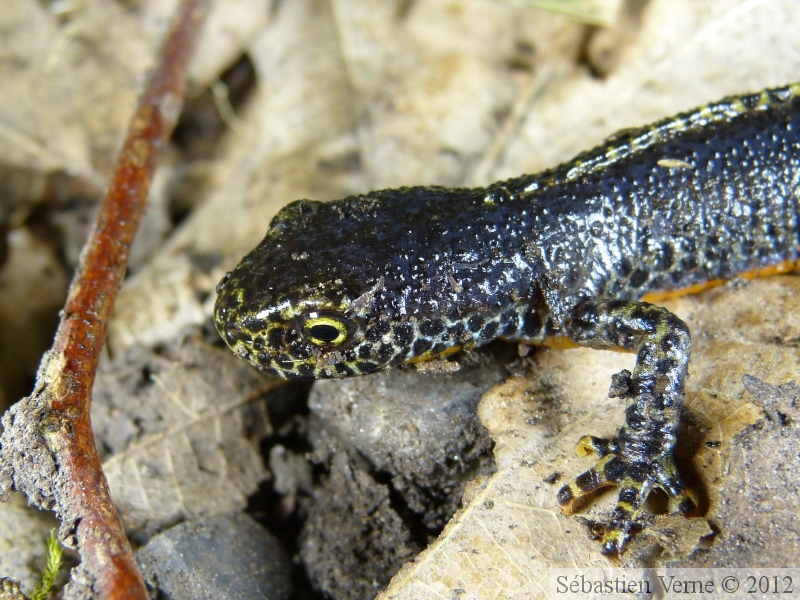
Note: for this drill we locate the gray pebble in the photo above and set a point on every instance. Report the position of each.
(398, 448)
(224, 557)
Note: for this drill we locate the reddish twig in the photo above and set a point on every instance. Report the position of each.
(57, 414)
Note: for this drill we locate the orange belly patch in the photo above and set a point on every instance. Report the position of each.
(779, 269)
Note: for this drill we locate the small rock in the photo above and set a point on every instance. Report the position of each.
(398, 448)
(224, 557)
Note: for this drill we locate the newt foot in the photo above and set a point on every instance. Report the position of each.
(636, 479)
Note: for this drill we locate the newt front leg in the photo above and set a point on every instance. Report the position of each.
(641, 457)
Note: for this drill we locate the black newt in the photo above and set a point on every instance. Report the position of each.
(577, 253)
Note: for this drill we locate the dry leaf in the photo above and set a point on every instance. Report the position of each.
(185, 434)
(91, 58)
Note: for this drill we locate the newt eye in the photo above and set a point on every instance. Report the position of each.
(327, 330)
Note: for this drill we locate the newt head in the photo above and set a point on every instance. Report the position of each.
(293, 306)
(341, 288)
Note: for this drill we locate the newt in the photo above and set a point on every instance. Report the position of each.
(578, 253)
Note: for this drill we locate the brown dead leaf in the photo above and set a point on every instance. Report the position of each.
(185, 433)
(90, 57)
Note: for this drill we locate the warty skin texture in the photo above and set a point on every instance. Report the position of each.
(396, 276)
